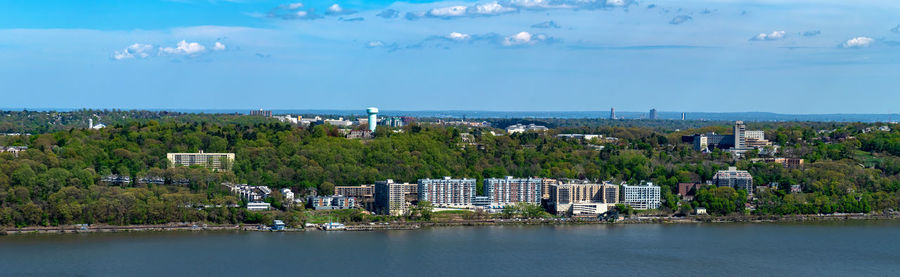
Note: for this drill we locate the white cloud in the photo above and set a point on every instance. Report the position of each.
(776, 35)
(292, 6)
(184, 48)
(452, 11)
(540, 4)
(336, 9)
(218, 46)
(136, 50)
(375, 44)
(292, 11)
(458, 36)
(858, 42)
(523, 38)
(489, 9)
(617, 3)
(511, 6)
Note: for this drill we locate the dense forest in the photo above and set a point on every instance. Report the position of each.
(850, 167)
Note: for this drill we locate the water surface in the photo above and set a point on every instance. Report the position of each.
(830, 249)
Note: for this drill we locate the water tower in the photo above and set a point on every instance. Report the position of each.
(373, 117)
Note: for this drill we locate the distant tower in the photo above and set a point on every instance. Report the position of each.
(740, 138)
(90, 123)
(682, 116)
(612, 113)
(652, 114)
(373, 117)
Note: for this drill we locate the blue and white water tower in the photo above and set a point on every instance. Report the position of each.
(373, 118)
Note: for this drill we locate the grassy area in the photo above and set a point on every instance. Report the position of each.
(866, 158)
(319, 217)
(453, 212)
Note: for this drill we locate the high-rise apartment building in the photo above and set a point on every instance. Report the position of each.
(737, 179)
(513, 190)
(562, 196)
(653, 114)
(391, 198)
(641, 197)
(261, 112)
(447, 191)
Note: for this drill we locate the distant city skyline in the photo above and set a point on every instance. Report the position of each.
(791, 57)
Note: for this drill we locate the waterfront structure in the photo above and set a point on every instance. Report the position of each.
(213, 161)
(332, 202)
(733, 178)
(519, 128)
(612, 113)
(259, 206)
(653, 115)
(562, 196)
(682, 116)
(645, 196)
(590, 209)
(447, 192)
(261, 112)
(278, 225)
(511, 190)
(373, 118)
(393, 198)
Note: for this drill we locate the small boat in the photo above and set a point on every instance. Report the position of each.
(330, 226)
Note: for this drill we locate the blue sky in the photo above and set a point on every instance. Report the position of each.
(790, 56)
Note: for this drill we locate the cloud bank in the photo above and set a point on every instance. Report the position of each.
(181, 49)
(775, 35)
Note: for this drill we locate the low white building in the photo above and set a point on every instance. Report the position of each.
(259, 206)
(288, 194)
(519, 128)
(590, 208)
(579, 136)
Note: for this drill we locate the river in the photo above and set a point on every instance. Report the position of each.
(822, 249)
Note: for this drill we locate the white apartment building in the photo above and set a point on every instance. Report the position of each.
(447, 192)
(513, 190)
(641, 197)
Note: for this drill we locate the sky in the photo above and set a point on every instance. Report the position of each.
(785, 56)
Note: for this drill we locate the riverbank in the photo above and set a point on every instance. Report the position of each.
(186, 227)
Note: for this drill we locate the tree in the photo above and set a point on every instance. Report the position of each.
(326, 188)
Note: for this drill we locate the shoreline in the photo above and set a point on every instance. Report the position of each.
(199, 227)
